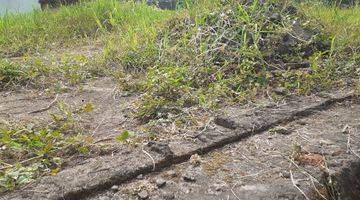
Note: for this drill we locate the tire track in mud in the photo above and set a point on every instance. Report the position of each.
(102, 173)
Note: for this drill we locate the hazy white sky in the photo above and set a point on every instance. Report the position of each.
(18, 5)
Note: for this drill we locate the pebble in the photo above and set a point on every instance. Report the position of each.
(115, 188)
(195, 160)
(189, 177)
(302, 122)
(104, 198)
(280, 91)
(326, 142)
(143, 194)
(218, 187)
(338, 152)
(168, 196)
(160, 182)
(171, 173)
(140, 177)
(285, 174)
(275, 17)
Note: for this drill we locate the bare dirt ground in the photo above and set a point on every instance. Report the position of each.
(262, 167)
(33, 107)
(284, 150)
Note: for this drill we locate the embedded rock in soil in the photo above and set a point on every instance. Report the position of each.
(275, 17)
(143, 194)
(160, 182)
(189, 177)
(168, 196)
(115, 188)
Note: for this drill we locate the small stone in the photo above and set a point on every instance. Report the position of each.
(285, 174)
(189, 177)
(275, 17)
(280, 91)
(338, 152)
(140, 177)
(346, 129)
(160, 182)
(115, 188)
(168, 196)
(104, 198)
(302, 122)
(218, 187)
(171, 173)
(195, 160)
(143, 194)
(185, 189)
(326, 142)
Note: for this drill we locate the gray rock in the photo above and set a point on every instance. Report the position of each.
(302, 122)
(280, 91)
(225, 122)
(140, 177)
(171, 173)
(219, 187)
(168, 196)
(275, 17)
(298, 31)
(326, 142)
(143, 194)
(285, 174)
(161, 148)
(160, 182)
(115, 188)
(189, 177)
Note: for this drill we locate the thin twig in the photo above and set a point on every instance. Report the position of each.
(152, 159)
(47, 108)
(294, 184)
(22, 162)
(349, 149)
(232, 191)
(319, 193)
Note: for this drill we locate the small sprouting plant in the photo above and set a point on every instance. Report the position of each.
(28, 153)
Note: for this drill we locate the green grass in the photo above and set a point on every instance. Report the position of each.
(223, 54)
(208, 54)
(342, 24)
(108, 22)
(39, 31)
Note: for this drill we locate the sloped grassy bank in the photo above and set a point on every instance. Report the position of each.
(207, 54)
(235, 51)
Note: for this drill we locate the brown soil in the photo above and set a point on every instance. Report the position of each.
(263, 164)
